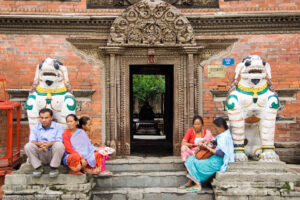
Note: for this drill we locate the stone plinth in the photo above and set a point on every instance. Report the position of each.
(256, 180)
(288, 152)
(21, 185)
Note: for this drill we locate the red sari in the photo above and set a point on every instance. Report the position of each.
(80, 160)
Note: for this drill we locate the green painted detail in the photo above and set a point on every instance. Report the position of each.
(71, 107)
(274, 105)
(29, 107)
(52, 94)
(264, 91)
(251, 93)
(231, 106)
(48, 101)
(254, 100)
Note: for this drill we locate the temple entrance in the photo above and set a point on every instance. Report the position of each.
(151, 109)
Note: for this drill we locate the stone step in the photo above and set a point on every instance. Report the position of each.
(142, 180)
(256, 166)
(250, 176)
(135, 163)
(27, 179)
(152, 193)
(242, 184)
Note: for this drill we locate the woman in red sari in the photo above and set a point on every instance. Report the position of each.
(81, 156)
(194, 137)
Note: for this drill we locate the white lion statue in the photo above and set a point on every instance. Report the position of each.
(252, 99)
(51, 89)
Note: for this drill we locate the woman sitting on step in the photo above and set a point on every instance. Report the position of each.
(81, 156)
(194, 137)
(201, 170)
(86, 125)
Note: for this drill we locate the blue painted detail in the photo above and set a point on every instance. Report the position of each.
(228, 61)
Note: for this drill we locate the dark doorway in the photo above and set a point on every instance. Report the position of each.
(151, 110)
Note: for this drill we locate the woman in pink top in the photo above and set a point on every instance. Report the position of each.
(194, 137)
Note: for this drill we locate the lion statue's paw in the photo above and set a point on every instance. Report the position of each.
(269, 156)
(240, 157)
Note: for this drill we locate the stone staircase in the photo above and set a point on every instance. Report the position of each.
(138, 178)
(256, 180)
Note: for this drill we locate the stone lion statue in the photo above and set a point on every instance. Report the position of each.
(51, 89)
(252, 100)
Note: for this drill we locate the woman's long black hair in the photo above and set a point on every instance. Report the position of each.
(83, 121)
(220, 122)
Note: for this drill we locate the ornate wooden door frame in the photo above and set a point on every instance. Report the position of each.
(117, 83)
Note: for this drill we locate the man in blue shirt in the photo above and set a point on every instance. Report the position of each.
(45, 144)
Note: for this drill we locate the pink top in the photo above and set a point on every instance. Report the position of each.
(190, 135)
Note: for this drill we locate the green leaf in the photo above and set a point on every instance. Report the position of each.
(146, 87)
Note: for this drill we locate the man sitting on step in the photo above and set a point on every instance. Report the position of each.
(45, 144)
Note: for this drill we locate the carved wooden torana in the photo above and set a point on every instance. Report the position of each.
(151, 23)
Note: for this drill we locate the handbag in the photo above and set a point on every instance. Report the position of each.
(203, 153)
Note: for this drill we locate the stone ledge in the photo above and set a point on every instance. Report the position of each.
(142, 160)
(28, 169)
(287, 144)
(174, 190)
(27, 179)
(22, 94)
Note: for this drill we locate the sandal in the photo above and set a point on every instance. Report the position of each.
(183, 186)
(196, 190)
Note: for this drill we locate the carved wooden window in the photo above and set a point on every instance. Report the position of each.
(178, 3)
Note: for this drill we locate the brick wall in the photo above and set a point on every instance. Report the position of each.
(282, 53)
(20, 54)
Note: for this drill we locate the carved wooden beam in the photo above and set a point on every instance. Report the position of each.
(202, 25)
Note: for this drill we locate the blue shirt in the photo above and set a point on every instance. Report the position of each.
(51, 134)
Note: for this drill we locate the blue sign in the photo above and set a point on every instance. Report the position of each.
(228, 61)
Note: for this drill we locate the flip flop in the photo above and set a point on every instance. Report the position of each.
(183, 187)
(195, 190)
